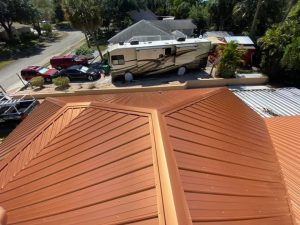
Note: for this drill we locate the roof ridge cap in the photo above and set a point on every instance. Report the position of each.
(175, 207)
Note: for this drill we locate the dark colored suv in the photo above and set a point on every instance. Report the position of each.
(62, 62)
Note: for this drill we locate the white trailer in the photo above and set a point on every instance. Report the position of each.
(154, 57)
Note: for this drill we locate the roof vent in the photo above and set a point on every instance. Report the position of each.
(181, 39)
(134, 42)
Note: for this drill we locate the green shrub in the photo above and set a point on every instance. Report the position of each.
(37, 82)
(231, 58)
(61, 82)
(47, 28)
(84, 50)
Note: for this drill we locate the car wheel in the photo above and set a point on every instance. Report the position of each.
(48, 80)
(91, 77)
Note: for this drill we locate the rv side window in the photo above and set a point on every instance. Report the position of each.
(168, 51)
(117, 60)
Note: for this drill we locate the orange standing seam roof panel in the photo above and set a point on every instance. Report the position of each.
(228, 168)
(99, 168)
(167, 158)
(285, 133)
(32, 122)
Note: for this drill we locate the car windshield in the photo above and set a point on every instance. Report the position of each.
(84, 69)
(43, 70)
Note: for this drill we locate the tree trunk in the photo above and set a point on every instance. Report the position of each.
(97, 45)
(87, 40)
(254, 25)
(9, 32)
(38, 28)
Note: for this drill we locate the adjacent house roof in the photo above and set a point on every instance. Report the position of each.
(273, 101)
(241, 40)
(166, 158)
(285, 133)
(163, 28)
(138, 15)
(172, 25)
(217, 34)
(215, 40)
(141, 28)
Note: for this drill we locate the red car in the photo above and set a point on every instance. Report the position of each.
(35, 71)
(63, 62)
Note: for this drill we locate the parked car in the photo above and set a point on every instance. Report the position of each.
(80, 72)
(101, 67)
(35, 71)
(63, 62)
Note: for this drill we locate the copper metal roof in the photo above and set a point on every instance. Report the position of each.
(37, 118)
(285, 133)
(168, 158)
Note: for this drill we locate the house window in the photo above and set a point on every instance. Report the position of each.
(117, 60)
(168, 51)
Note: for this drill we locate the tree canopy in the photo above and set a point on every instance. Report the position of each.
(281, 48)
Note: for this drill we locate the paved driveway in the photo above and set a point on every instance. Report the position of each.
(9, 79)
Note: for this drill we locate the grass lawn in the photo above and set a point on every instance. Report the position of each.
(5, 63)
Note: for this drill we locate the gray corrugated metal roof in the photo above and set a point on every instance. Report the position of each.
(272, 102)
(242, 40)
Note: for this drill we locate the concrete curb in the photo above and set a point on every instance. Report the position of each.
(203, 83)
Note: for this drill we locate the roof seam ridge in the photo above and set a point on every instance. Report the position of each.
(174, 202)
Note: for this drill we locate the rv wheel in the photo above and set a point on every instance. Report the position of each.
(128, 77)
(181, 71)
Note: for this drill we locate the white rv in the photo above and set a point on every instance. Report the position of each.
(153, 57)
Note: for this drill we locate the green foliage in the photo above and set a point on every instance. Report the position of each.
(231, 58)
(13, 11)
(199, 14)
(84, 50)
(274, 44)
(280, 49)
(47, 28)
(58, 10)
(61, 82)
(295, 12)
(291, 57)
(45, 8)
(37, 82)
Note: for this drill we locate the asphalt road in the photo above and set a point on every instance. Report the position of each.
(8, 78)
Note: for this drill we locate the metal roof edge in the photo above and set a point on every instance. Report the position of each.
(176, 211)
(56, 101)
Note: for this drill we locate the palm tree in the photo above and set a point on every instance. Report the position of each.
(254, 21)
(85, 15)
